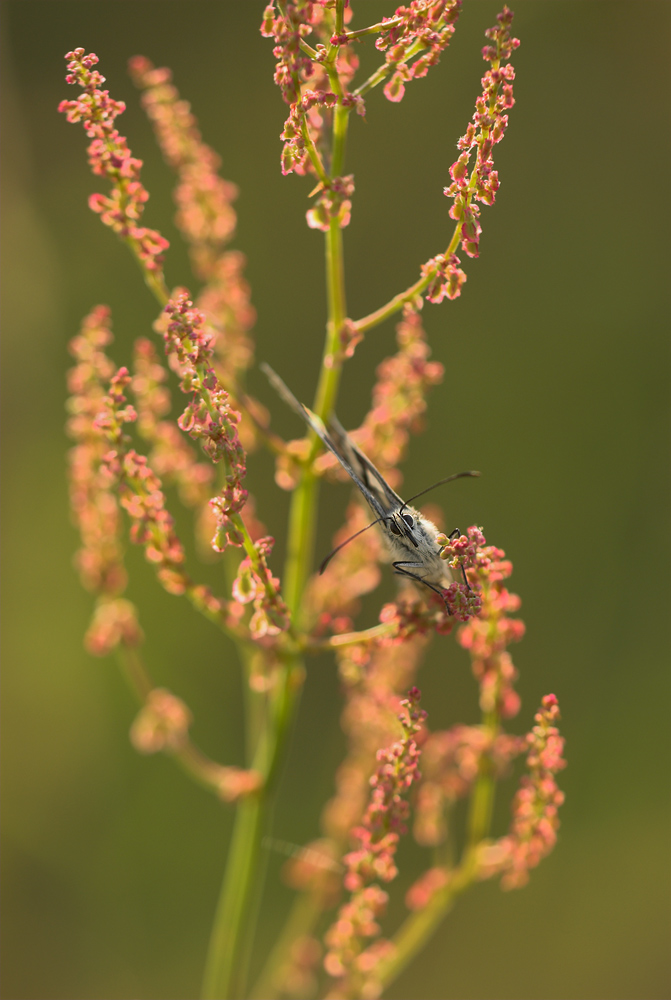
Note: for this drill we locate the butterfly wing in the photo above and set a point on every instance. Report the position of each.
(342, 447)
(365, 469)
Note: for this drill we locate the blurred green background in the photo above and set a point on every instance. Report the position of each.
(556, 388)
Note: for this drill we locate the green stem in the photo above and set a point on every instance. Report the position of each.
(482, 797)
(224, 974)
(233, 928)
(416, 930)
(306, 910)
(372, 29)
(393, 306)
(385, 69)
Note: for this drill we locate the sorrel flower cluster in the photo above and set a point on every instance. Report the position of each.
(209, 416)
(373, 860)
(533, 831)
(117, 412)
(110, 157)
(485, 130)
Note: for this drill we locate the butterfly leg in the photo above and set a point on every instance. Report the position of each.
(401, 570)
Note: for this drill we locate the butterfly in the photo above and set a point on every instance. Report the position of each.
(411, 538)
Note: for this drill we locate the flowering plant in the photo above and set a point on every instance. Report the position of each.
(127, 449)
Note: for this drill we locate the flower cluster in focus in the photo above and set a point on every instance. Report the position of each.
(110, 157)
(256, 585)
(209, 416)
(377, 836)
(533, 831)
(483, 133)
(487, 636)
(422, 29)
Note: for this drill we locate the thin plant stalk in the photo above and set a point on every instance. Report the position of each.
(233, 929)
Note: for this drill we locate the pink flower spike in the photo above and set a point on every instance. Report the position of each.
(533, 831)
(110, 157)
(376, 839)
(481, 182)
(208, 416)
(95, 508)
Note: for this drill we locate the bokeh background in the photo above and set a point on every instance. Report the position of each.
(556, 388)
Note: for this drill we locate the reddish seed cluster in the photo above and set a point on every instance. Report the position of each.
(308, 90)
(256, 585)
(487, 635)
(304, 112)
(372, 673)
(162, 723)
(345, 939)
(447, 278)
(110, 157)
(384, 820)
(533, 831)
(461, 553)
(209, 416)
(424, 26)
(113, 622)
(293, 65)
(485, 130)
(378, 834)
(334, 203)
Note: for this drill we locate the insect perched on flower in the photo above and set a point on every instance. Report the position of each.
(411, 538)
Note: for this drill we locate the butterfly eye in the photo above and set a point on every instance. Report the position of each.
(393, 527)
(408, 520)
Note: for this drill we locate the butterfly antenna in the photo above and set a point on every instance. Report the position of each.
(342, 545)
(441, 482)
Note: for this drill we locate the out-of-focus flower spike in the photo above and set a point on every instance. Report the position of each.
(451, 763)
(205, 216)
(140, 490)
(95, 509)
(113, 622)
